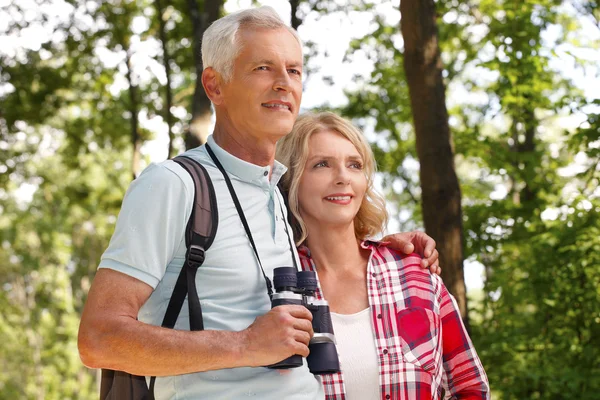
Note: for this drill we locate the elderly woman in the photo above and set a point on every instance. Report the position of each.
(399, 332)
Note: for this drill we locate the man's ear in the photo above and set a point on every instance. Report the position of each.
(211, 81)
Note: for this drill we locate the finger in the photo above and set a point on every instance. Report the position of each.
(298, 312)
(408, 248)
(434, 257)
(300, 349)
(302, 337)
(398, 241)
(303, 325)
(429, 246)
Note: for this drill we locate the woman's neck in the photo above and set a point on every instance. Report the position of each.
(335, 250)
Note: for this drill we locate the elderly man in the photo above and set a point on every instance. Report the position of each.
(253, 76)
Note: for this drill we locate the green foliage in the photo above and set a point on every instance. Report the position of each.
(67, 139)
(539, 336)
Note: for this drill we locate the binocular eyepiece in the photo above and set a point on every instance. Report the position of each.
(298, 288)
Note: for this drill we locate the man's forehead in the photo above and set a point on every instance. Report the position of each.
(279, 44)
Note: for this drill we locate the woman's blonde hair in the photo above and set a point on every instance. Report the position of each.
(292, 151)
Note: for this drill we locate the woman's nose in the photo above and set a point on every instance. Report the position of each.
(342, 177)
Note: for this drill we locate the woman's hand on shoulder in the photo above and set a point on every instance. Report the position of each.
(416, 242)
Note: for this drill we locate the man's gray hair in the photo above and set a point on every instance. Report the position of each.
(220, 42)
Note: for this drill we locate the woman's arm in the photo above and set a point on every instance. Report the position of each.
(465, 376)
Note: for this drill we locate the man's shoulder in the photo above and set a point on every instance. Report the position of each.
(169, 174)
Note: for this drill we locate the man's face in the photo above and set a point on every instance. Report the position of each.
(262, 99)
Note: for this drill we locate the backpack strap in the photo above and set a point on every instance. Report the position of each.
(200, 233)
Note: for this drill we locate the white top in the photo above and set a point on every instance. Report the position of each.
(358, 357)
(148, 244)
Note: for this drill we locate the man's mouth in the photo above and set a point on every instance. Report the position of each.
(279, 106)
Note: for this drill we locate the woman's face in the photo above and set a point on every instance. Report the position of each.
(333, 183)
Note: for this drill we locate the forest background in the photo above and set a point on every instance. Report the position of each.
(484, 116)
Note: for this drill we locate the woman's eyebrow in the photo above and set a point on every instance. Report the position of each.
(326, 157)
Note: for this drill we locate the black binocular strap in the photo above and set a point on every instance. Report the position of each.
(280, 198)
(242, 217)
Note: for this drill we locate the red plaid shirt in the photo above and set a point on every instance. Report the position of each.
(419, 335)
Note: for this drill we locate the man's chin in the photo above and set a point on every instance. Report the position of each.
(281, 129)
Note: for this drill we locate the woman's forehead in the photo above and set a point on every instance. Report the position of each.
(331, 142)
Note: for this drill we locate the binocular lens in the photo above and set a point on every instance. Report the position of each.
(284, 277)
(307, 280)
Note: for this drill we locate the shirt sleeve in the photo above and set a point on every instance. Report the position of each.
(464, 377)
(151, 224)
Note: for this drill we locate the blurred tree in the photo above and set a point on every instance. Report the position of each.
(166, 61)
(535, 322)
(66, 141)
(440, 191)
(117, 32)
(529, 222)
(201, 106)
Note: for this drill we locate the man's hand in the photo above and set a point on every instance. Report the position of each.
(416, 242)
(281, 333)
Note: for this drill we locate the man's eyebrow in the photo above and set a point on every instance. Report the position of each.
(264, 62)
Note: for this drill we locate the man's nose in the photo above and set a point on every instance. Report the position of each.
(282, 82)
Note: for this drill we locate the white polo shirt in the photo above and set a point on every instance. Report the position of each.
(148, 244)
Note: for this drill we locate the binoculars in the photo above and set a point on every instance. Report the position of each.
(298, 288)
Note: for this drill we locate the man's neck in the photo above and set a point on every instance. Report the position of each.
(336, 250)
(260, 152)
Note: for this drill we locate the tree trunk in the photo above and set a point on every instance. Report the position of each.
(523, 131)
(296, 22)
(133, 110)
(441, 198)
(199, 126)
(167, 64)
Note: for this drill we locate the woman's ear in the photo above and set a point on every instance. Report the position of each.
(211, 81)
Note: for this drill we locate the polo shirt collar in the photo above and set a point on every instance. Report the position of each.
(244, 170)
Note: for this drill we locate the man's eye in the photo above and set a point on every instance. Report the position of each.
(295, 71)
(262, 68)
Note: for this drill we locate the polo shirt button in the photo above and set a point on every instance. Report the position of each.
(387, 396)
(385, 351)
(379, 316)
(373, 274)
(266, 173)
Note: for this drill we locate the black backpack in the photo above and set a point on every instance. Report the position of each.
(199, 235)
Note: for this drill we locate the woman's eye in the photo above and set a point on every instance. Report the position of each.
(356, 165)
(320, 164)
